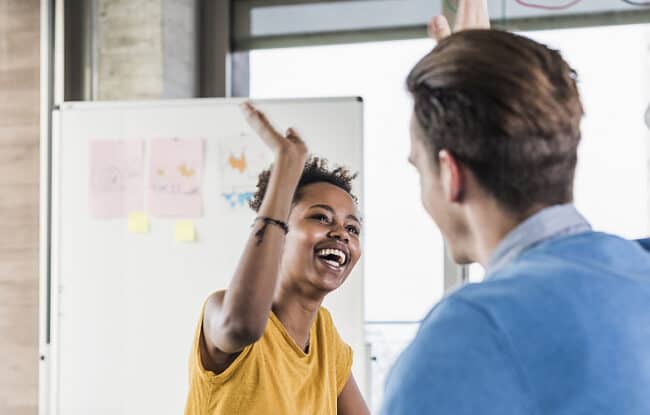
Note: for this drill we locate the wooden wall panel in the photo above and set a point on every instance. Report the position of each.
(19, 181)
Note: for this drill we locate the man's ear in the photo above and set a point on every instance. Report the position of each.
(451, 176)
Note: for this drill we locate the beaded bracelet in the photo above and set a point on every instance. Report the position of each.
(268, 221)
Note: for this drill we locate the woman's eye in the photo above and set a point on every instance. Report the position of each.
(321, 218)
(354, 230)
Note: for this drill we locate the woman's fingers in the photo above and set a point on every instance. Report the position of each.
(293, 136)
(439, 28)
(298, 148)
(261, 125)
(289, 146)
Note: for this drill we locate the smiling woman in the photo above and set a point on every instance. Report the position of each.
(266, 344)
(318, 179)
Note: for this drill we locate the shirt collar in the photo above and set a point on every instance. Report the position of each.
(547, 224)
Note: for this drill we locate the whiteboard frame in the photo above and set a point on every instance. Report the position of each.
(153, 104)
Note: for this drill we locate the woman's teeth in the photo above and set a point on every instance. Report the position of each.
(332, 263)
(334, 257)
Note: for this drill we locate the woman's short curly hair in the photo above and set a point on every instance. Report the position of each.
(316, 171)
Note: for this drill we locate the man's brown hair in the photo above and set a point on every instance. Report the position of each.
(505, 106)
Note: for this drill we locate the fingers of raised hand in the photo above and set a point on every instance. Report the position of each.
(261, 125)
(293, 136)
(472, 14)
(289, 144)
(297, 144)
(439, 28)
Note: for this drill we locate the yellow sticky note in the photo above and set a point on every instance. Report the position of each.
(184, 231)
(138, 222)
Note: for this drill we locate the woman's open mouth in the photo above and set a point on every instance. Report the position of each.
(334, 258)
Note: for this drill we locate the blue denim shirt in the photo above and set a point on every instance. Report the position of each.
(561, 325)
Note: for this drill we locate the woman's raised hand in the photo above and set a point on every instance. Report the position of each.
(289, 149)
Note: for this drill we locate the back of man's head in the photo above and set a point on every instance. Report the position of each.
(505, 106)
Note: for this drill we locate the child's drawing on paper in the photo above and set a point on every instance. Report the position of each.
(175, 177)
(241, 160)
(116, 177)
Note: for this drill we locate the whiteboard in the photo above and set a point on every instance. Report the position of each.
(124, 306)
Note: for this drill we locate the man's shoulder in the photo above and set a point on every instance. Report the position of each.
(555, 268)
(588, 247)
(460, 350)
(556, 287)
(589, 253)
(645, 244)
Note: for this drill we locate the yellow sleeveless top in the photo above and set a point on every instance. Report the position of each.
(274, 375)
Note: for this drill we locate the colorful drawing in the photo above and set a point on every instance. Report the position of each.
(240, 161)
(116, 177)
(185, 171)
(175, 177)
(236, 199)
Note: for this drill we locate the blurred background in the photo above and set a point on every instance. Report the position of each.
(56, 51)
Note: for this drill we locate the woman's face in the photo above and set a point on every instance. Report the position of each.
(322, 245)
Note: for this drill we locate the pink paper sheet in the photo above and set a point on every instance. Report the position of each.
(175, 174)
(116, 177)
